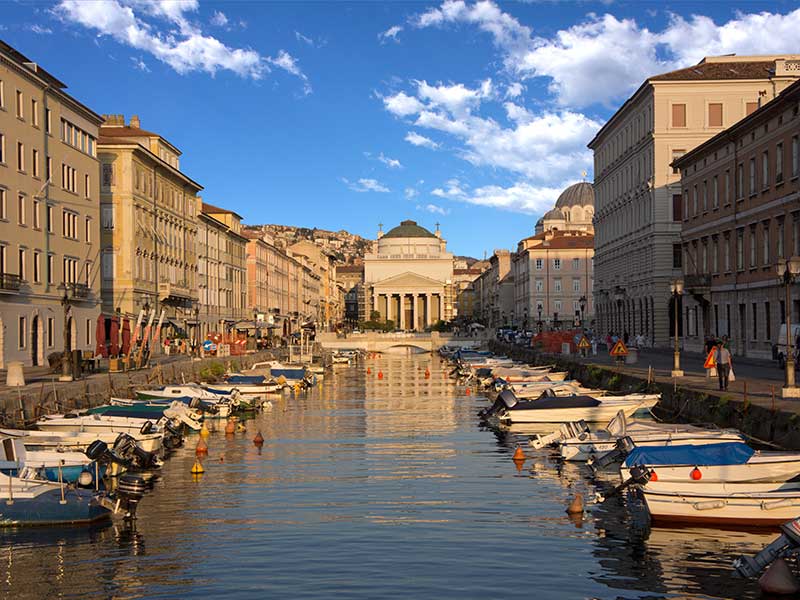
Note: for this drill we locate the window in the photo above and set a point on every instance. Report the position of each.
(2, 149)
(51, 332)
(3, 204)
(37, 221)
(539, 285)
(21, 217)
(576, 264)
(752, 247)
(22, 333)
(795, 155)
(68, 178)
(767, 324)
(715, 256)
(107, 264)
(752, 176)
(694, 201)
(20, 113)
(705, 195)
(35, 161)
(750, 108)
(557, 285)
(765, 244)
(715, 192)
(49, 167)
(47, 120)
(685, 213)
(107, 219)
(88, 331)
(77, 138)
(676, 207)
(576, 285)
(765, 169)
(779, 241)
(755, 322)
(87, 273)
(740, 181)
(69, 224)
(88, 230)
(557, 306)
(107, 175)
(35, 112)
(740, 249)
(557, 264)
(50, 219)
(715, 114)
(676, 154)
(679, 115)
(677, 256)
(51, 267)
(779, 163)
(21, 263)
(86, 186)
(20, 156)
(70, 270)
(728, 195)
(2, 94)
(37, 267)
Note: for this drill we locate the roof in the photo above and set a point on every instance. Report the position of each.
(211, 210)
(20, 58)
(754, 69)
(126, 131)
(349, 268)
(578, 194)
(563, 240)
(408, 229)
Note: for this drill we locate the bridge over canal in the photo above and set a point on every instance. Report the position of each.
(395, 342)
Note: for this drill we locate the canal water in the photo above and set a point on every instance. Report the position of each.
(371, 487)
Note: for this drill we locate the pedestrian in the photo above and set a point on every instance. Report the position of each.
(625, 338)
(724, 364)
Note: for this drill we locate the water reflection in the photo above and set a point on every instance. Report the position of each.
(374, 488)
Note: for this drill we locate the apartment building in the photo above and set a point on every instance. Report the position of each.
(638, 198)
(49, 215)
(741, 218)
(494, 291)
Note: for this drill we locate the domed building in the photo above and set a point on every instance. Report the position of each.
(574, 210)
(408, 277)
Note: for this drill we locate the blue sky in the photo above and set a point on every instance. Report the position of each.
(344, 115)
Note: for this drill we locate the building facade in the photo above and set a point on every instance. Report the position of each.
(408, 278)
(149, 226)
(638, 200)
(351, 279)
(327, 306)
(49, 215)
(741, 219)
(494, 292)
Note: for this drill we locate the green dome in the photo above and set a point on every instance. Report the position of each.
(409, 229)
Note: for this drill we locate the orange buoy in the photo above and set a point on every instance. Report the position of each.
(201, 448)
(427, 373)
(653, 476)
(230, 427)
(468, 392)
(259, 439)
(369, 371)
(576, 506)
(519, 454)
(696, 474)
(380, 374)
(778, 579)
(221, 459)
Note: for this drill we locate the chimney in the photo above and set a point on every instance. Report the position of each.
(135, 124)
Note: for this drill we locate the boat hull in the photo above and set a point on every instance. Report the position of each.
(80, 507)
(592, 446)
(595, 414)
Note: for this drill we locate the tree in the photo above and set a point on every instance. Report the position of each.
(374, 315)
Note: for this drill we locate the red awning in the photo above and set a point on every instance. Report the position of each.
(126, 336)
(100, 337)
(113, 343)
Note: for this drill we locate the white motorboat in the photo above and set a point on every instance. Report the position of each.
(729, 462)
(588, 445)
(556, 409)
(526, 375)
(750, 504)
(96, 424)
(76, 441)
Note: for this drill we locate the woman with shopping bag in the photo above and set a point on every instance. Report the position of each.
(724, 366)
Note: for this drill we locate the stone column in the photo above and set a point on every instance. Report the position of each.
(402, 319)
(389, 306)
(428, 310)
(414, 311)
(374, 302)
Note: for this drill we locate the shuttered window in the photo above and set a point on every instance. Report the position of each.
(715, 114)
(679, 115)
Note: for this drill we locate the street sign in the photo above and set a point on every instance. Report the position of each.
(711, 360)
(209, 346)
(584, 343)
(619, 349)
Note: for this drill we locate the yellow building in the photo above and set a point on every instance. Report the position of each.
(49, 215)
(328, 309)
(149, 225)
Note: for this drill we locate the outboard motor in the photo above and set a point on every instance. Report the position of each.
(504, 401)
(126, 448)
(622, 449)
(640, 475)
(130, 490)
(172, 433)
(788, 543)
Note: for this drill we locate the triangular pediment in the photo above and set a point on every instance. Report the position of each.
(408, 280)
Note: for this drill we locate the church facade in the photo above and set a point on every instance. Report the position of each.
(408, 278)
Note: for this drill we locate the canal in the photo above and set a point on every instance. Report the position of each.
(371, 487)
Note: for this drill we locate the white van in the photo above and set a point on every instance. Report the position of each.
(779, 351)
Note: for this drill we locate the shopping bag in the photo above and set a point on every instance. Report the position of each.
(731, 377)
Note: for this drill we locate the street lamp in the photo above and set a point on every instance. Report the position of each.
(676, 287)
(66, 374)
(788, 271)
(583, 301)
(197, 330)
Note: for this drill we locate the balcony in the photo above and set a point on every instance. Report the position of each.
(176, 293)
(10, 283)
(698, 285)
(79, 291)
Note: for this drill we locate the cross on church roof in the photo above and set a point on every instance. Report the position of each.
(437, 225)
(380, 225)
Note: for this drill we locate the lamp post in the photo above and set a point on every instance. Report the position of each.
(539, 324)
(676, 287)
(788, 271)
(255, 327)
(583, 301)
(197, 330)
(66, 374)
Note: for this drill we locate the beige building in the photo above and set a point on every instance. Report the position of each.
(148, 225)
(351, 279)
(408, 277)
(326, 307)
(741, 220)
(638, 208)
(494, 292)
(49, 215)
(464, 277)
(553, 270)
(223, 271)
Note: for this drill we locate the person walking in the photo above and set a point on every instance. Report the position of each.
(723, 360)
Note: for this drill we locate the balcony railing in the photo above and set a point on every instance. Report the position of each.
(167, 291)
(697, 282)
(9, 282)
(79, 291)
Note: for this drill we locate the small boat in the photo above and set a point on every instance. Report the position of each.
(549, 408)
(103, 425)
(728, 462)
(50, 464)
(747, 504)
(75, 441)
(176, 410)
(340, 359)
(276, 370)
(527, 375)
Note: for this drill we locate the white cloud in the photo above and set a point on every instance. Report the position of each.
(522, 197)
(186, 49)
(456, 98)
(39, 29)
(390, 34)
(139, 64)
(410, 193)
(401, 104)
(365, 185)
(453, 189)
(412, 137)
(434, 208)
(219, 19)
(514, 90)
(392, 163)
(302, 38)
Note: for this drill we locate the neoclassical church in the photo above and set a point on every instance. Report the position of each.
(408, 277)
(574, 211)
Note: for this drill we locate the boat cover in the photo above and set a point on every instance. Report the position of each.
(727, 453)
(251, 379)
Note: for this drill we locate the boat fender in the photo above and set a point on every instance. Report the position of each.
(783, 503)
(709, 504)
(696, 474)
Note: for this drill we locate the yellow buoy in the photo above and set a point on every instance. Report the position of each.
(197, 468)
(204, 432)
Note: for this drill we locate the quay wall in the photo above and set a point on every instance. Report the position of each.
(678, 402)
(21, 406)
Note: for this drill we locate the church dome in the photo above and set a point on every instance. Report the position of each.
(579, 194)
(554, 214)
(408, 229)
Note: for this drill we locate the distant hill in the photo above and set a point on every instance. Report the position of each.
(347, 247)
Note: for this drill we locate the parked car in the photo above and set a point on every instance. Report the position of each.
(779, 349)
